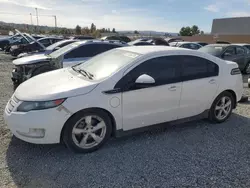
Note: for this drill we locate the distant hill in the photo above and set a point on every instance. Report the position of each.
(6, 27)
(150, 33)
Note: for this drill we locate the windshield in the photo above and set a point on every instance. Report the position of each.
(64, 50)
(213, 50)
(105, 64)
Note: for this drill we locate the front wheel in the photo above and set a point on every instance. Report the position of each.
(221, 108)
(87, 131)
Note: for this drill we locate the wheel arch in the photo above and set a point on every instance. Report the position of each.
(233, 94)
(93, 109)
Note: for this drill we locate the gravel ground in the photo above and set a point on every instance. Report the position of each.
(196, 154)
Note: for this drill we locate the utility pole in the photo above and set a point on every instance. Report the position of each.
(37, 17)
(55, 21)
(31, 19)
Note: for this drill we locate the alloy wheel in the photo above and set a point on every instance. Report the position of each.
(89, 131)
(223, 108)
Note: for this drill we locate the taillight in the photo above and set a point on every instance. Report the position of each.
(235, 71)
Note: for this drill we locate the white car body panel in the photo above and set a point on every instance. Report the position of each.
(30, 59)
(65, 85)
(130, 110)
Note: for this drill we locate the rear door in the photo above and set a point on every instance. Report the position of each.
(200, 78)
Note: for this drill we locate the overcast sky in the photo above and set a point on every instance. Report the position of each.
(158, 15)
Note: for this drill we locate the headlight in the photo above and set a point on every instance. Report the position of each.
(27, 106)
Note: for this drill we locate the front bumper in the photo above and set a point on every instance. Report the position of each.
(38, 127)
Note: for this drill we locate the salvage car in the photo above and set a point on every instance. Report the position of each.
(74, 53)
(231, 52)
(188, 45)
(7, 40)
(23, 39)
(244, 44)
(33, 46)
(49, 49)
(83, 105)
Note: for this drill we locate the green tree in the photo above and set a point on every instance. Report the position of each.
(195, 30)
(202, 32)
(78, 30)
(186, 31)
(113, 30)
(92, 28)
(136, 32)
(85, 31)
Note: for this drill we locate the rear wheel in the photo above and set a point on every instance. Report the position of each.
(222, 107)
(87, 131)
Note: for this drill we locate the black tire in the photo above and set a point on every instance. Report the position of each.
(244, 98)
(67, 135)
(212, 112)
(41, 70)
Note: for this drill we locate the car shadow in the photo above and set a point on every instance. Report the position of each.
(127, 157)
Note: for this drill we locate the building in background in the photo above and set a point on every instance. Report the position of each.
(231, 26)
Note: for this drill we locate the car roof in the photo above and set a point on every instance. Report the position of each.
(151, 49)
(241, 44)
(82, 42)
(220, 45)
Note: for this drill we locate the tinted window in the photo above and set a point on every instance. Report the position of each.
(164, 70)
(89, 50)
(240, 50)
(185, 46)
(142, 44)
(195, 67)
(230, 50)
(194, 46)
(247, 46)
(213, 50)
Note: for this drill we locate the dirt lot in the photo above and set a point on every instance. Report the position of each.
(196, 154)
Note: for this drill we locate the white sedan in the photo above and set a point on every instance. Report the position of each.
(122, 90)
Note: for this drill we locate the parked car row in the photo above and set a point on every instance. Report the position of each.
(105, 88)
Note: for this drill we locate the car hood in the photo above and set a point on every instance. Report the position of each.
(61, 83)
(31, 59)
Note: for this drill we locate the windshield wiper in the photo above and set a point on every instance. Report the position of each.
(83, 72)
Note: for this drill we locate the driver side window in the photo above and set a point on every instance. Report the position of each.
(230, 51)
(164, 70)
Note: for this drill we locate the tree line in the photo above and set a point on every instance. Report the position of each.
(92, 30)
(190, 31)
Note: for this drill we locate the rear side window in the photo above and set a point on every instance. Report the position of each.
(194, 67)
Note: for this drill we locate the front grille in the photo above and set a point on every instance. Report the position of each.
(11, 104)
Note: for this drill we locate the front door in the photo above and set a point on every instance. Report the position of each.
(153, 104)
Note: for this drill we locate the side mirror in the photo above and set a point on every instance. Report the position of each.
(145, 80)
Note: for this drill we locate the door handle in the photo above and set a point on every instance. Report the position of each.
(172, 88)
(212, 81)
